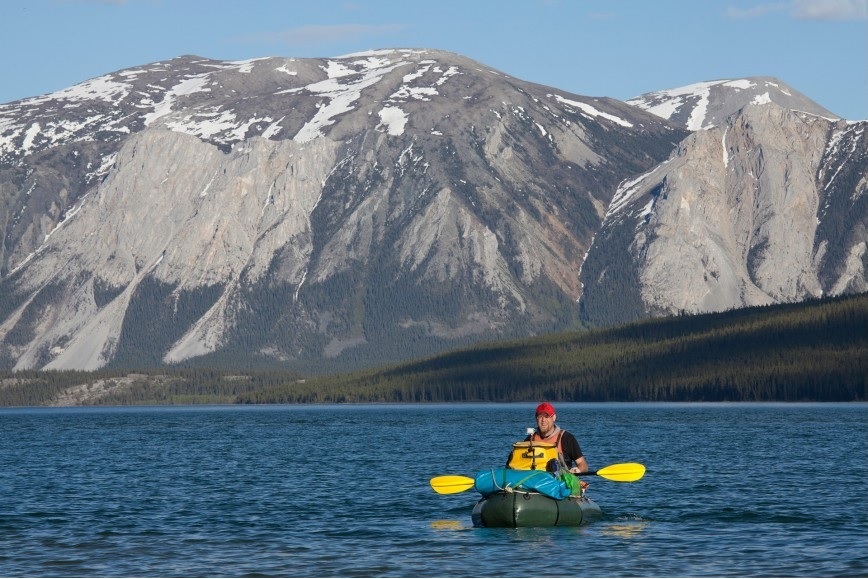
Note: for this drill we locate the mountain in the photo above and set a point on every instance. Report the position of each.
(768, 204)
(705, 105)
(328, 212)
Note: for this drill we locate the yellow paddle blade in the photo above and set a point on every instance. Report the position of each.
(624, 472)
(451, 484)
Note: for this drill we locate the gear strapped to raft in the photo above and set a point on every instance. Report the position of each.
(509, 480)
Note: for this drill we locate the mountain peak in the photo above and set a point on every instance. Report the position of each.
(707, 104)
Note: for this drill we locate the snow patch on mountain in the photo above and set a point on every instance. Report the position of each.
(361, 74)
(591, 110)
(393, 119)
(666, 103)
(186, 87)
(341, 97)
(628, 189)
(104, 88)
(762, 99)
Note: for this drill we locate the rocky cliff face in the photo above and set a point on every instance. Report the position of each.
(740, 215)
(326, 213)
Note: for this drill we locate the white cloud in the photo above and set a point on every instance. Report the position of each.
(806, 10)
(830, 9)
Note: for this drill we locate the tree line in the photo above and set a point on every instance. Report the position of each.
(815, 351)
(154, 386)
(811, 351)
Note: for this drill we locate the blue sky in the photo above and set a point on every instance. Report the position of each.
(615, 48)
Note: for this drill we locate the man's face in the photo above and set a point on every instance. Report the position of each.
(544, 422)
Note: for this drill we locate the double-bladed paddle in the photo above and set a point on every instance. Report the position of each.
(623, 472)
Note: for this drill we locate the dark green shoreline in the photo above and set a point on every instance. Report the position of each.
(813, 351)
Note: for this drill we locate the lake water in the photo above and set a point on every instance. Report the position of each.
(730, 490)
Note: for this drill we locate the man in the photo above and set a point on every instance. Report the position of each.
(549, 432)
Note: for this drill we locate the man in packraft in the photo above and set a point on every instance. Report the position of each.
(549, 432)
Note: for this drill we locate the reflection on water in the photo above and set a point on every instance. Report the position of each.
(446, 525)
(624, 530)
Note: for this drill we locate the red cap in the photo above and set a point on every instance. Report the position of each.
(545, 408)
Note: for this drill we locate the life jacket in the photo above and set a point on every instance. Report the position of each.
(535, 453)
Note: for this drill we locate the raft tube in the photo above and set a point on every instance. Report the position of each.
(532, 509)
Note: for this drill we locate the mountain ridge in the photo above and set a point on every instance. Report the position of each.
(336, 211)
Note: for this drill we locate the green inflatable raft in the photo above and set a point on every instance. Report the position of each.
(531, 509)
(521, 498)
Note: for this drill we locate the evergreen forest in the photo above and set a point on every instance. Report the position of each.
(810, 351)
